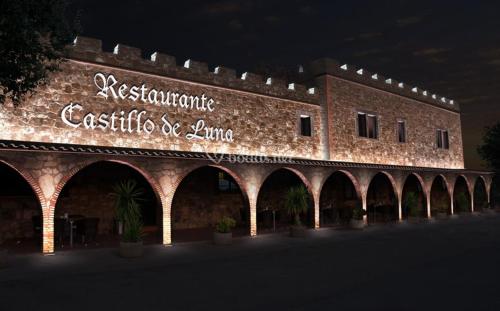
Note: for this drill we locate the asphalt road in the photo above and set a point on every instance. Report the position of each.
(447, 265)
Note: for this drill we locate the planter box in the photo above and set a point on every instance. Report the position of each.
(357, 224)
(441, 215)
(3, 258)
(131, 249)
(223, 238)
(297, 231)
(413, 220)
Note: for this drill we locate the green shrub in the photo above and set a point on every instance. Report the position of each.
(411, 204)
(128, 210)
(358, 212)
(296, 202)
(225, 225)
(462, 203)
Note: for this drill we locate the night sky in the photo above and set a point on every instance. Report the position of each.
(451, 48)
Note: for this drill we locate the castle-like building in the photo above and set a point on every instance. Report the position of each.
(207, 143)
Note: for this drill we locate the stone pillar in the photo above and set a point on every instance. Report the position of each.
(253, 217)
(365, 208)
(167, 219)
(48, 230)
(428, 199)
(400, 208)
(316, 213)
(452, 211)
(472, 203)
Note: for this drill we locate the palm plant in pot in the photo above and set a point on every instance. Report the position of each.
(127, 196)
(296, 203)
(358, 213)
(462, 203)
(411, 205)
(223, 231)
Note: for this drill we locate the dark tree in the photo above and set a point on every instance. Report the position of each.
(490, 149)
(33, 34)
(490, 152)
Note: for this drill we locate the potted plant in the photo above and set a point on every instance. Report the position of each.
(296, 203)
(128, 210)
(411, 205)
(357, 221)
(223, 234)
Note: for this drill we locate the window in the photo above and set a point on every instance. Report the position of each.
(402, 131)
(367, 125)
(305, 125)
(442, 139)
(226, 183)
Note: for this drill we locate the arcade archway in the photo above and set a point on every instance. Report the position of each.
(20, 213)
(480, 195)
(202, 198)
(440, 197)
(337, 199)
(461, 196)
(86, 202)
(413, 193)
(382, 205)
(271, 212)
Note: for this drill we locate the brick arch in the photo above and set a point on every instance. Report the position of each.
(78, 168)
(297, 173)
(420, 180)
(351, 177)
(467, 183)
(233, 174)
(446, 182)
(31, 182)
(391, 180)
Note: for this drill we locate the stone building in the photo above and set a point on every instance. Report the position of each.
(206, 143)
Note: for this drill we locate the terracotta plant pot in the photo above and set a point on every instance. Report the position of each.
(413, 219)
(297, 231)
(131, 249)
(3, 258)
(223, 238)
(357, 224)
(441, 215)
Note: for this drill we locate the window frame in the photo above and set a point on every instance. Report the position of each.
(405, 131)
(305, 116)
(442, 139)
(376, 129)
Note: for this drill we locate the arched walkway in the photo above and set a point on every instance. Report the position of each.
(461, 196)
(202, 198)
(20, 213)
(382, 205)
(87, 200)
(271, 212)
(413, 198)
(338, 197)
(480, 195)
(440, 197)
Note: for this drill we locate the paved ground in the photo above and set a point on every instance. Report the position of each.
(447, 265)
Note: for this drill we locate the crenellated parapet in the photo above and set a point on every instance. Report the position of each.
(378, 81)
(126, 57)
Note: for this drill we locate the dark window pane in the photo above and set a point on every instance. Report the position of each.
(372, 126)
(439, 139)
(362, 124)
(305, 126)
(446, 143)
(401, 132)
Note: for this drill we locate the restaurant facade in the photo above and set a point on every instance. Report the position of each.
(207, 143)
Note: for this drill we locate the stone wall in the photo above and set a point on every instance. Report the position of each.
(422, 121)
